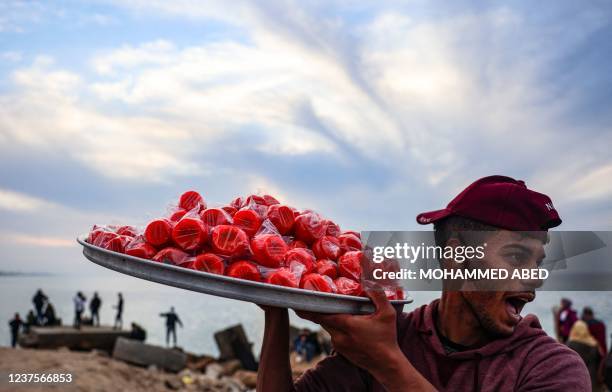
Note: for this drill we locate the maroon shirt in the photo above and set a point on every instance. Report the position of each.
(528, 360)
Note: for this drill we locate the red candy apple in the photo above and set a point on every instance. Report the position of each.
(130, 231)
(190, 233)
(248, 220)
(138, 247)
(297, 244)
(177, 215)
(190, 200)
(269, 250)
(349, 241)
(215, 216)
(327, 247)
(270, 200)
(174, 256)
(301, 256)
(282, 217)
(327, 267)
(244, 270)
(118, 243)
(332, 228)
(158, 232)
(283, 277)
(255, 199)
(309, 227)
(347, 286)
(349, 265)
(229, 240)
(209, 262)
(316, 282)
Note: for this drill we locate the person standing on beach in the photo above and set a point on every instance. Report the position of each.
(597, 328)
(566, 320)
(79, 307)
(581, 341)
(94, 308)
(14, 325)
(171, 320)
(39, 300)
(119, 316)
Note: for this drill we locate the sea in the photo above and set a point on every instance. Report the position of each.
(202, 315)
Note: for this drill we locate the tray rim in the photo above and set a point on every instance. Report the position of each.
(364, 300)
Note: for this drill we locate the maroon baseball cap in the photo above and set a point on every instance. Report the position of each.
(502, 202)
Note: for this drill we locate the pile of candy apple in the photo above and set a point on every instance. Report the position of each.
(255, 238)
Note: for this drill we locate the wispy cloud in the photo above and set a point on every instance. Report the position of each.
(370, 113)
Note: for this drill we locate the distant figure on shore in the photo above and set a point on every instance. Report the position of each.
(119, 316)
(566, 319)
(171, 320)
(39, 300)
(306, 345)
(15, 324)
(596, 327)
(138, 332)
(581, 341)
(94, 308)
(79, 307)
(49, 315)
(30, 322)
(607, 368)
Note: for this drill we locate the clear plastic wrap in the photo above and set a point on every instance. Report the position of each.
(255, 238)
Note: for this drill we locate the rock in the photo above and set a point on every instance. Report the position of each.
(173, 384)
(214, 371)
(230, 367)
(232, 385)
(99, 353)
(135, 352)
(246, 377)
(200, 364)
(152, 368)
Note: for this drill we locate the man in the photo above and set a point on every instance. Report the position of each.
(39, 300)
(596, 327)
(14, 325)
(94, 308)
(566, 319)
(49, 315)
(30, 322)
(466, 340)
(79, 307)
(171, 320)
(119, 315)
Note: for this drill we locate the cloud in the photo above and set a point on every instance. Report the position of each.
(19, 202)
(401, 107)
(11, 56)
(31, 240)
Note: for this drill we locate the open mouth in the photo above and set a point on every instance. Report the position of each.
(515, 304)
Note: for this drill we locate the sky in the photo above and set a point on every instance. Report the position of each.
(368, 113)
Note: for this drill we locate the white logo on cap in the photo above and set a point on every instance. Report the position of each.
(549, 206)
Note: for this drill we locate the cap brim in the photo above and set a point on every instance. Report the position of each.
(426, 218)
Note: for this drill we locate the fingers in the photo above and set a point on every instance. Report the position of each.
(327, 321)
(380, 300)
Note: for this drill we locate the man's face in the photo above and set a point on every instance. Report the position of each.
(499, 311)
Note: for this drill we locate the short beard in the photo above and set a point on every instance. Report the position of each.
(485, 320)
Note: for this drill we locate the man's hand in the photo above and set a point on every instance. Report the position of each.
(363, 340)
(370, 342)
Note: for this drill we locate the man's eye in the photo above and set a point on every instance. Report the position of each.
(516, 257)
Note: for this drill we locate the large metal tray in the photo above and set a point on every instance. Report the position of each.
(225, 286)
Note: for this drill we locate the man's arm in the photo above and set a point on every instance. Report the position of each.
(370, 343)
(274, 372)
